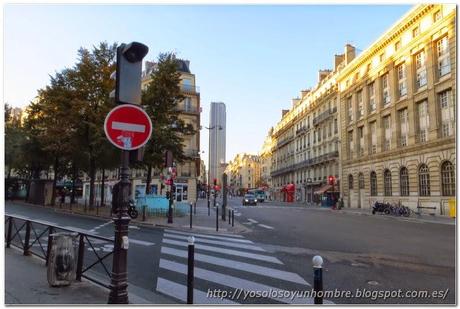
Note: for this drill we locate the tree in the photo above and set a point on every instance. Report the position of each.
(160, 101)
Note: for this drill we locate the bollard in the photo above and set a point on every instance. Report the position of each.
(191, 264)
(81, 254)
(85, 206)
(27, 239)
(318, 278)
(50, 242)
(194, 208)
(97, 209)
(191, 206)
(217, 219)
(229, 216)
(209, 209)
(143, 212)
(10, 229)
(233, 218)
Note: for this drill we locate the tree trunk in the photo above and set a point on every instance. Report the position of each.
(92, 175)
(102, 187)
(74, 179)
(56, 168)
(149, 179)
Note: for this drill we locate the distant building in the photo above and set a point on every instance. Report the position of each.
(217, 141)
(243, 172)
(265, 157)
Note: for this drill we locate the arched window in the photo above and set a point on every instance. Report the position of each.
(361, 180)
(448, 178)
(404, 181)
(424, 180)
(387, 182)
(373, 184)
(350, 182)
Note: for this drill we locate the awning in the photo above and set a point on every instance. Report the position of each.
(323, 189)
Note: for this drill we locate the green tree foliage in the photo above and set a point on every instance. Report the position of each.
(160, 100)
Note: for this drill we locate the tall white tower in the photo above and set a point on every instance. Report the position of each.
(217, 134)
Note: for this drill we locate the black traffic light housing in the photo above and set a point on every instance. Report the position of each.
(129, 72)
(331, 180)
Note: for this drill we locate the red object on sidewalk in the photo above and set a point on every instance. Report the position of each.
(290, 191)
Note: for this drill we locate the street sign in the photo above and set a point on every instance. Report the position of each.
(128, 127)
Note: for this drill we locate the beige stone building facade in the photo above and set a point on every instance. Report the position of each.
(398, 102)
(382, 123)
(243, 172)
(265, 157)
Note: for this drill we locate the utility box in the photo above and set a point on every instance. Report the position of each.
(452, 208)
(62, 261)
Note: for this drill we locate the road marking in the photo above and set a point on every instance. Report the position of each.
(230, 281)
(251, 268)
(237, 214)
(266, 226)
(254, 256)
(179, 291)
(100, 226)
(218, 242)
(201, 235)
(253, 221)
(134, 227)
(206, 228)
(139, 242)
(186, 235)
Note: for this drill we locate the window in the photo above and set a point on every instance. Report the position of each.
(387, 182)
(350, 109)
(404, 181)
(361, 181)
(385, 89)
(188, 104)
(424, 180)
(350, 182)
(382, 57)
(387, 132)
(373, 181)
(415, 32)
(350, 145)
(437, 15)
(335, 126)
(359, 96)
(372, 106)
(443, 54)
(361, 140)
(448, 179)
(447, 113)
(373, 141)
(423, 122)
(402, 87)
(403, 127)
(420, 69)
(397, 45)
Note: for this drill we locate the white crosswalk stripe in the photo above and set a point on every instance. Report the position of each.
(223, 262)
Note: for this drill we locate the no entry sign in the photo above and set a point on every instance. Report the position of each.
(128, 127)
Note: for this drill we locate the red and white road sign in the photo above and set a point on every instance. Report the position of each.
(128, 127)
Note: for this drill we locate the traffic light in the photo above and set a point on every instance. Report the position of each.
(136, 156)
(331, 180)
(129, 73)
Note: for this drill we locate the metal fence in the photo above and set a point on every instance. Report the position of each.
(34, 237)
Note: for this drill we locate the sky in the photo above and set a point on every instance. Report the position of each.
(254, 58)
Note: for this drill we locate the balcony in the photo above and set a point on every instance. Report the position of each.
(301, 130)
(190, 89)
(283, 142)
(325, 115)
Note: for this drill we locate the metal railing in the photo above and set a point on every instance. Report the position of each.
(37, 234)
(323, 116)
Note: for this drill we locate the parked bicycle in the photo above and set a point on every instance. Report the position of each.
(393, 209)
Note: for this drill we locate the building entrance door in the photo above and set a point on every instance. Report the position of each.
(181, 192)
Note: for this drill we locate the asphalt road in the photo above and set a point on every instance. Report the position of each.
(376, 253)
(359, 252)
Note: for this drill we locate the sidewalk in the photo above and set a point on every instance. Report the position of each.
(26, 283)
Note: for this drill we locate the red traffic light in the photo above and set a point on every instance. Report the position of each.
(331, 180)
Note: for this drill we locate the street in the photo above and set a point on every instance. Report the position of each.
(359, 252)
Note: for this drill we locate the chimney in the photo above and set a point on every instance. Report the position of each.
(295, 101)
(338, 60)
(284, 112)
(303, 93)
(349, 53)
(322, 74)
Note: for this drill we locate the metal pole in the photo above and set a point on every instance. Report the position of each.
(81, 254)
(10, 230)
(224, 196)
(27, 239)
(191, 264)
(233, 217)
(191, 205)
(119, 279)
(171, 200)
(194, 208)
(318, 278)
(217, 219)
(50, 243)
(229, 215)
(209, 203)
(143, 212)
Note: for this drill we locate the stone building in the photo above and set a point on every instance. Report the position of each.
(243, 173)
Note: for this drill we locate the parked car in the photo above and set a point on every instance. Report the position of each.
(249, 199)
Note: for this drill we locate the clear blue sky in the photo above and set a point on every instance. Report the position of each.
(253, 58)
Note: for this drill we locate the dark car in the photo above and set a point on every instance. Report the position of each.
(249, 199)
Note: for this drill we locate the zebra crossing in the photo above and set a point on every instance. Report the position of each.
(228, 263)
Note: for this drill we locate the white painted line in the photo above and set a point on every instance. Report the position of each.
(179, 291)
(251, 268)
(230, 281)
(266, 226)
(218, 242)
(206, 228)
(126, 126)
(254, 256)
(247, 241)
(238, 215)
(253, 221)
(202, 235)
(139, 242)
(133, 227)
(78, 230)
